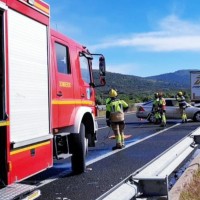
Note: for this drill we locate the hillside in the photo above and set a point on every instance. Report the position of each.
(179, 80)
(135, 86)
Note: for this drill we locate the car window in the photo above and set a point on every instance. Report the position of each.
(169, 103)
(175, 103)
(85, 69)
(149, 103)
(62, 58)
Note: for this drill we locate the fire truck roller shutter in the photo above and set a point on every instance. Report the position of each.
(28, 78)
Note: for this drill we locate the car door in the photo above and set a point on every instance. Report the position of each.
(176, 110)
(170, 109)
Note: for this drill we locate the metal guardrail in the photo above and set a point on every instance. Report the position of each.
(152, 179)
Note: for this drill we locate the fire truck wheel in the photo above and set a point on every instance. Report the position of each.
(79, 151)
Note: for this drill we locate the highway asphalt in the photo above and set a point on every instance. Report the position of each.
(106, 168)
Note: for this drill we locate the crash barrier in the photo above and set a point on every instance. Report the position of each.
(152, 179)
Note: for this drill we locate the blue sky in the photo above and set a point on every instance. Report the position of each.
(137, 37)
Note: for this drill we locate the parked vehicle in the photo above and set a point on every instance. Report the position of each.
(172, 111)
(195, 86)
(196, 104)
(47, 95)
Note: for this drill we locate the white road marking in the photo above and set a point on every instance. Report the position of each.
(54, 178)
(103, 127)
(128, 145)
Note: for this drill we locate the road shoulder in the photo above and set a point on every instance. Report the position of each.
(185, 179)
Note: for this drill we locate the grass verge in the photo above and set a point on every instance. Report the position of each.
(192, 190)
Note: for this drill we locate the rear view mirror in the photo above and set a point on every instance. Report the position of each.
(102, 69)
(102, 80)
(102, 66)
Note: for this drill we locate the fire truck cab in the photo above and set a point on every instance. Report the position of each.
(47, 93)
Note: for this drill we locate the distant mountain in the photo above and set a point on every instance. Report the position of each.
(135, 85)
(180, 78)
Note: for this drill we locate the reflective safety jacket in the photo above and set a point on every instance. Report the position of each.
(115, 110)
(181, 101)
(108, 100)
(162, 103)
(155, 107)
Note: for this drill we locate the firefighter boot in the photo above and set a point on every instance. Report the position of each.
(122, 140)
(118, 141)
(118, 146)
(184, 118)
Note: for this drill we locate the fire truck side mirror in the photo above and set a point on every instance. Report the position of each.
(102, 70)
(102, 80)
(102, 66)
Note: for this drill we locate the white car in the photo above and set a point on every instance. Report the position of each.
(172, 111)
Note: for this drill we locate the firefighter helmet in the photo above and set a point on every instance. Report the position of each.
(112, 93)
(160, 94)
(180, 93)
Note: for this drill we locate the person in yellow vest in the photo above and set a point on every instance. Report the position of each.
(162, 108)
(108, 99)
(182, 105)
(155, 109)
(115, 117)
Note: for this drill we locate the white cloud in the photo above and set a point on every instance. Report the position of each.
(128, 68)
(174, 25)
(172, 34)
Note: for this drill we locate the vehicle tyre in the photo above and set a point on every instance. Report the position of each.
(196, 117)
(79, 149)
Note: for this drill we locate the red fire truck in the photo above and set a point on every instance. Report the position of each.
(47, 96)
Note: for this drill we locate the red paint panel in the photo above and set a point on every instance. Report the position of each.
(28, 163)
(29, 11)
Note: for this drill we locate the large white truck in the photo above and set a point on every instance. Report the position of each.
(195, 86)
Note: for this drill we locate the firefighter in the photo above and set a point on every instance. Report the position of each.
(115, 117)
(108, 99)
(155, 109)
(162, 108)
(182, 105)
